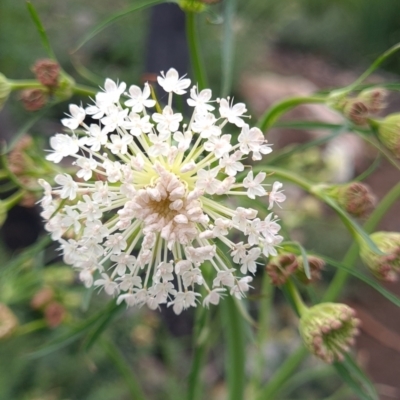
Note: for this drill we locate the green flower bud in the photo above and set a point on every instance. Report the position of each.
(281, 267)
(355, 197)
(384, 266)
(5, 90)
(389, 133)
(8, 322)
(328, 330)
(316, 265)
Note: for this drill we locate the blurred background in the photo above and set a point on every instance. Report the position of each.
(282, 49)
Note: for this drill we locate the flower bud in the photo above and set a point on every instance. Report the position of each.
(328, 330)
(374, 99)
(42, 298)
(384, 266)
(5, 90)
(47, 72)
(33, 99)
(316, 265)
(281, 267)
(355, 197)
(8, 322)
(65, 87)
(389, 133)
(357, 111)
(54, 314)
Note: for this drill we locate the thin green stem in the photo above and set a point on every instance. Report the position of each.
(194, 50)
(26, 84)
(124, 368)
(296, 298)
(267, 292)
(82, 90)
(283, 374)
(14, 199)
(200, 353)
(270, 116)
(351, 256)
(30, 327)
(233, 327)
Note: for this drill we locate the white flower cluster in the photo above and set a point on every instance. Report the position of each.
(150, 185)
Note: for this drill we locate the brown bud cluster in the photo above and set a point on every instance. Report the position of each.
(280, 268)
(356, 198)
(47, 72)
(33, 99)
(316, 265)
(54, 312)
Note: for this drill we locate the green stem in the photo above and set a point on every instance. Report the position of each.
(268, 119)
(31, 327)
(200, 353)
(234, 333)
(283, 374)
(26, 84)
(14, 199)
(82, 90)
(124, 368)
(296, 298)
(351, 256)
(267, 292)
(194, 50)
(373, 67)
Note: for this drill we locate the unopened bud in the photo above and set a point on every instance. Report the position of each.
(355, 197)
(389, 133)
(8, 322)
(374, 99)
(328, 330)
(47, 72)
(384, 266)
(316, 265)
(5, 90)
(357, 111)
(280, 268)
(54, 314)
(42, 298)
(65, 87)
(33, 99)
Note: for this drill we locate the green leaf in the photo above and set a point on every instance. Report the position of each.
(369, 281)
(73, 334)
(352, 374)
(40, 28)
(102, 324)
(355, 229)
(228, 46)
(139, 5)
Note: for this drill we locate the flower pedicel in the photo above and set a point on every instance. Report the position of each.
(147, 183)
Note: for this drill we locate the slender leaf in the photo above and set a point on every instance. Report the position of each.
(228, 46)
(369, 281)
(73, 334)
(40, 28)
(139, 5)
(94, 335)
(370, 170)
(353, 376)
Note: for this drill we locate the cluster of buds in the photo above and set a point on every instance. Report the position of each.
(8, 322)
(281, 267)
(328, 330)
(355, 197)
(360, 108)
(385, 266)
(44, 301)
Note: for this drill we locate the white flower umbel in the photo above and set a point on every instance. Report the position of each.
(145, 214)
